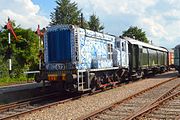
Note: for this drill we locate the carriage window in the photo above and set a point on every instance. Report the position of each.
(118, 44)
(110, 51)
(111, 48)
(123, 46)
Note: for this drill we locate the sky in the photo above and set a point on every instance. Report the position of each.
(160, 19)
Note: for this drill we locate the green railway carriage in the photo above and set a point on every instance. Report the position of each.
(146, 58)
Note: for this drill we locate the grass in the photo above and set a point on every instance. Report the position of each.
(11, 81)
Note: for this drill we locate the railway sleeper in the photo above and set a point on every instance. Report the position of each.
(20, 109)
(120, 114)
(132, 105)
(108, 117)
(170, 109)
(122, 110)
(9, 112)
(175, 105)
(160, 117)
(165, 112)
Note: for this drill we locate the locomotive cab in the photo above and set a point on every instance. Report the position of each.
(120, 54)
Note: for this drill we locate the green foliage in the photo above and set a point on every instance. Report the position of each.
(136, 33)
(25, 53)
(94, 23)
(66, 12)
(85, 25)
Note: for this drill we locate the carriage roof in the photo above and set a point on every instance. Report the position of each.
(136, 42)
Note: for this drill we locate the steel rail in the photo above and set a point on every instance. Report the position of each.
(47, 106)
(94, 113)
(155, 105)
(163, 96)
(63, 101)
(3, 106)
(24, 102)
(35, 109)
(34, 99)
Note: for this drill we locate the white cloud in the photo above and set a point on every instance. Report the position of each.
(24, 12)
(153, 27)
(116, 6)
(158, 18)
(173, 13)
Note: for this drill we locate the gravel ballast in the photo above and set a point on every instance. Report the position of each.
(85, 105)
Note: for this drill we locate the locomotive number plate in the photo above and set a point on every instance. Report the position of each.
(58, 66)
(55, 67)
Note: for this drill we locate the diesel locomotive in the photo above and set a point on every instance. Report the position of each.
(81, 60)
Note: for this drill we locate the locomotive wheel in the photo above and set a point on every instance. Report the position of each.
(116, 77)
(143, 75)
(93, 89)
(93, 85)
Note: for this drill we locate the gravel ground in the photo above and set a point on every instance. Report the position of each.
(74, 109)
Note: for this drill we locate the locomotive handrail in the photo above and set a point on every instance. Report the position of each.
(31, 72)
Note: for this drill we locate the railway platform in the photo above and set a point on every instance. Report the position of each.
(21, 91)
(19, 87)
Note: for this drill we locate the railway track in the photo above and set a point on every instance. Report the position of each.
(139, 104)
(17, 109)
(166, 108)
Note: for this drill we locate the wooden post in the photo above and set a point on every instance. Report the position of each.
(9, 45)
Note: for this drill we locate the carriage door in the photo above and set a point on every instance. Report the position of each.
(124, 54)
(135, 57)
(140, 58)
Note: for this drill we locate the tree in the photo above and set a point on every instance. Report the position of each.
(24, 51)
(94, 23)
(66, 12)
(136, 33)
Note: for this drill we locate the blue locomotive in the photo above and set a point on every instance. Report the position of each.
(82, 60)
